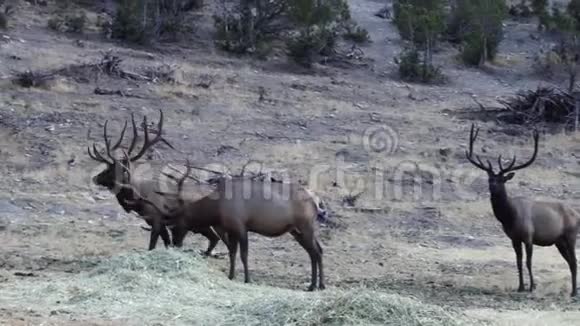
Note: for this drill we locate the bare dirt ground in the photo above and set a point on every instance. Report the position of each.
(443, 248)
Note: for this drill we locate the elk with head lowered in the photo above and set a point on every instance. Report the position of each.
(239, 205)
(117, 178)
(526, 221)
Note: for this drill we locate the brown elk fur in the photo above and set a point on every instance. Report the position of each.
(527, 221)
(241, 205)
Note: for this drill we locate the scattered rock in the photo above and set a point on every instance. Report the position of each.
(110, 213)
(4, 222)
(59, 209)
(445, 152)
(101, 197)
(384, 13)
(6, 207)
(299, 87)
(116, 234)
(59, 312)
(375, 117)
(353, 155)
(464, 241)
(225, 148)
(361, 106)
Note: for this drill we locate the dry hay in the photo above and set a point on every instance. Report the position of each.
(177, 288)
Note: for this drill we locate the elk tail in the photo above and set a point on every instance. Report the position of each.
(321, 212)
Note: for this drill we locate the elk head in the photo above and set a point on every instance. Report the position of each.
(117, 170)
(498, 179)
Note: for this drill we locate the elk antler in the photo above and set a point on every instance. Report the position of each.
(147, 143)
(97, 156)
(125, 164)
(469, 154)
(489, 167)
(512, 168)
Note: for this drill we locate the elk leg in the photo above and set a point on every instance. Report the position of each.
(321, 285)
(519, 255)
(155, 232)
(573, 264)
(165, 236)
(244, 255)
(309, 246)
(177, 236)
(529, 253)
(233, 250)
(213, 240)
(568, 251)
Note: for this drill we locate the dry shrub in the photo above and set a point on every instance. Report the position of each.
(165, 73)
(28, 79)
(68, 23)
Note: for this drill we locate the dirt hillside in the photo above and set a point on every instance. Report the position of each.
(421, 234)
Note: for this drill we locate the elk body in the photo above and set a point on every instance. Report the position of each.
(241, 205)
(529, 222)
(116, 178)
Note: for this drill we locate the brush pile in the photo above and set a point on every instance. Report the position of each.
(545, 104)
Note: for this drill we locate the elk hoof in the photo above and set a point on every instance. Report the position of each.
(573, 294)
(321, 287)
(311, 288)
(521, 289)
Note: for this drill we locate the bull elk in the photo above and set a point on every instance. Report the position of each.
(527, 221)
(116, 173)
(240, 205)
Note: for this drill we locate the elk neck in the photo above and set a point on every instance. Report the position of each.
(122, 196)
(501, 205)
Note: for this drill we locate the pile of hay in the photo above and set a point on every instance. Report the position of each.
(175, 288)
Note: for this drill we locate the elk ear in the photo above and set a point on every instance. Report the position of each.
(509, 176)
